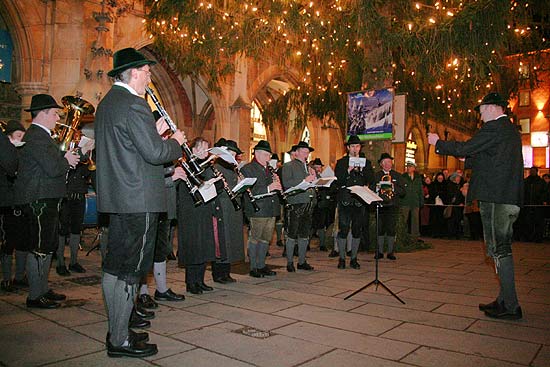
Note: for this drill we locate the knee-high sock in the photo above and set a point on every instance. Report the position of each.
(302, 249)
(252, 254)
(46, 273)
(74, 242)
(143, 288)
(6, 266)
(342, 248)
(349, 239)
(279, 230)
(321, 234)
(262, 253)
(61, 251)
(391, 242)
(505, 269)
(355, 247)
(381, 244)
(124, 295)
(290, 243)
(20, 264)
(34, 265)
(108, 283)
(159, 272)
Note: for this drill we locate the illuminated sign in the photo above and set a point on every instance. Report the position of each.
(6, 50)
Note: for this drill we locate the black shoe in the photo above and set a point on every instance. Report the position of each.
(23, 283)
(171, 256)
(143, 313)
(52, 296)
(7, 286)
(348, 253)
(193, 288)
(323, 248)
(305, 266)
(145, 301)
(229, 279)
(354, 264)
(77, 268)
(63, 271)
(137, 322)
(391, 256)
(42, 302)
(205, 288)
(267, 254)
(267, 271)
(256, 273)
(290, 268)
(135, 349)
(333, 253)
(132, 335)
(169, 295)
(280, 243)
(502, 313)
(379, 255)
(219, 279)
(341, 264)
(489, 306)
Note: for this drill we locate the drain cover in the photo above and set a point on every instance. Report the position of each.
(254, 333)
(91, 280)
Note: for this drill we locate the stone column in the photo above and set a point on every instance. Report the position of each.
(26, 90)
(240, 123)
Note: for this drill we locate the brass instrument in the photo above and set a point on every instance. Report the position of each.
(385, 188)
(68, 135)
(3, 125)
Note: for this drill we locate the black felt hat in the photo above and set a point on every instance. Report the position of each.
(354, 139)
(384, 156)
(317, 162)
(128, 58)
(12, 126)
(302, 144)
(232, 145)
(275, 156)
(42, 102)
(220, 143)
(492, 98)
(263, 145)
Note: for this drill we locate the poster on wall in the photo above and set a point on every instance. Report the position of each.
(370, 114)
(6, 50)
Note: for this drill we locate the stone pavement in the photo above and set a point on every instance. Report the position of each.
(302, 319)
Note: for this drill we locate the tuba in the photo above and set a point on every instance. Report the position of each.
(68, 134)
(385, 188)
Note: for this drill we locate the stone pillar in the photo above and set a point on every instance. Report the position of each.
(240, 124)
(26, 90)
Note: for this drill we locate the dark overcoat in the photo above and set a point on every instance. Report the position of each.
(495, 157)
(269, 205)
(8, 167)
(130, 155)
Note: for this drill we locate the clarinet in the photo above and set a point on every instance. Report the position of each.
(248, 192)
(275, 177)
(192, 182)
(227, 189)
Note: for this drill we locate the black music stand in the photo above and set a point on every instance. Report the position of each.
(376, 281)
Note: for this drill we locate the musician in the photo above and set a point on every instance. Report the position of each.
(130, 158)
(14, 132)
(39, 188)
(163, 243)
(196, 241)
(71, 217)
(299, 206)
(353, 213)
(229, 220)
(262, 222)
(390, 186)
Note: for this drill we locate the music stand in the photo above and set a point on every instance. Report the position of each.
(376, 281)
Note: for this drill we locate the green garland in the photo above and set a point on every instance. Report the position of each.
(346, 45)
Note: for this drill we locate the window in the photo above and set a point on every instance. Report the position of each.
(525, 125)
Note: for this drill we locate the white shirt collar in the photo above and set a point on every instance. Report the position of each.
(130, 89)
(43, 128)
(501, 116)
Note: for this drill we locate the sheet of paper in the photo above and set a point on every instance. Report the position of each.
(302, 186)
(86, 144)
(208, 189)
(327, 172)
(366, 194)
(324, 181)
(223, 153)
(265, 195)
(357, 162)
(244, 184)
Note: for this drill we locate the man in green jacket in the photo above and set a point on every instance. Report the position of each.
(414, 198)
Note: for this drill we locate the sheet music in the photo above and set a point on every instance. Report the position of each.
(260, 196)
(208, 189)
(86, 144)
(357, 162)
(272, 163)
(244, 184)
(302, 186)
(324, 181)
(327, 172)
(223, 153)
(366, 194)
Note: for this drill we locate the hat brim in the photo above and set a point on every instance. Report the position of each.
(46, 107)
(133, 64)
